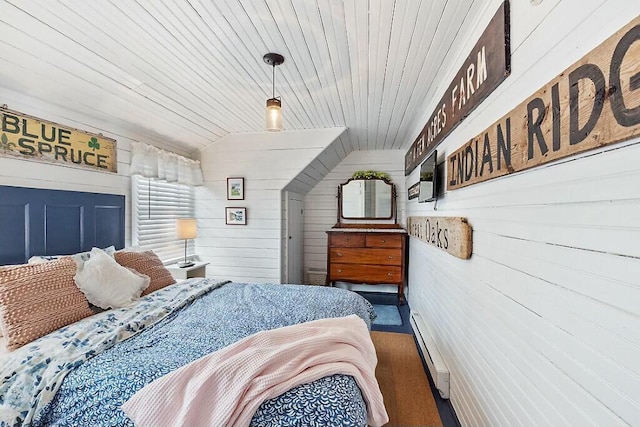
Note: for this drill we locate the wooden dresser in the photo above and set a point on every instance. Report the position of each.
(371, 256)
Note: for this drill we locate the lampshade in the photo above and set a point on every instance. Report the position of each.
(186, 228)
(274, 115)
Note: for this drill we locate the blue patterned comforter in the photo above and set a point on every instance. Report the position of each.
(99, 382)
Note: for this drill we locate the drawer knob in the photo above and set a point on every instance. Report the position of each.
(339, 253)
(384, 241)
(390, 256)
(346, 240)
(389, 274)
(339, 270)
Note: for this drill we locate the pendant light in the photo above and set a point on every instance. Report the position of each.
(274, 111)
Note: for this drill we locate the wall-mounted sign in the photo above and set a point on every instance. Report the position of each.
(414, 190)
(593, 103)
(29, 137)
(451, 234)
(488, 64)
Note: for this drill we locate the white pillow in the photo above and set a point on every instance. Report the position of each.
(82, 257)
(107, 284)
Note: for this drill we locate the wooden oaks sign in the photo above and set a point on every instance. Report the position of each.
(451, 234)
(30, 137)
(595, 102)
(488, 64)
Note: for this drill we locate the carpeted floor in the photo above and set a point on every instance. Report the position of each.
(402, 378)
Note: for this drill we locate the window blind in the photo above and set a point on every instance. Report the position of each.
(156, 205)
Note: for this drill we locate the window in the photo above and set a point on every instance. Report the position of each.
(156, 205)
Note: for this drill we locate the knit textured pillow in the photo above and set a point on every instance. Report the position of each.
(149, 264)
(37, 299)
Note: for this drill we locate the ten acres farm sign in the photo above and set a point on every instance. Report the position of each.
(595, 102)
(488, 64)
(451, 234)
(26, 136)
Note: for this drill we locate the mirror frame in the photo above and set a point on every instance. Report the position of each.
(393, 214)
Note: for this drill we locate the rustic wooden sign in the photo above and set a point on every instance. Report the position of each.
(414, 191)
(451, 234)
(29, 137)
(595, 102)
(488, 64)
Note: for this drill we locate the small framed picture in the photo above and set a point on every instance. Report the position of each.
(235, 188)
(235, 216)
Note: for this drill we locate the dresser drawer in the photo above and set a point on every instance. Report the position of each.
(363, 273)
(352, 240)
(366, 256)
(375, 240)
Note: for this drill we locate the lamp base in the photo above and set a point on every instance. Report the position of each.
(185, 264)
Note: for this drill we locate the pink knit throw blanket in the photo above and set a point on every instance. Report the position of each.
(226, 387)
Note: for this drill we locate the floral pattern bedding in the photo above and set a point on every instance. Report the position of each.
(83, 373)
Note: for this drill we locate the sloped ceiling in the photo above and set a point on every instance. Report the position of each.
(188, 72)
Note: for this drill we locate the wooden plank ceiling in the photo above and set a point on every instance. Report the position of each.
(188, 72)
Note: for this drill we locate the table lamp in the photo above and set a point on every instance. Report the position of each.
(186, 229)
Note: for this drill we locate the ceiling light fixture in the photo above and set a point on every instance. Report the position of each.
(274, 110)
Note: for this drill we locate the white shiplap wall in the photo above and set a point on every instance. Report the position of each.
(269, 163)
(321, 204)
(541, 327)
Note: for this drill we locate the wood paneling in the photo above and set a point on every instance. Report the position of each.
(270, 164)
(540, 326)
(187, 73)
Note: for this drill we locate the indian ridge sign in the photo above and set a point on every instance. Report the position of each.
(484, 69)
(595, 102)
(29, 137)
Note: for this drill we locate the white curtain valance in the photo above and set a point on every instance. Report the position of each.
(152, 162)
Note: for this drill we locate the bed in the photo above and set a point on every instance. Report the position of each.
(82, 373)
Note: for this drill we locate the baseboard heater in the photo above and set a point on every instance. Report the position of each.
(437, 368)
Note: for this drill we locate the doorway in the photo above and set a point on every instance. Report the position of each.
(295, 237)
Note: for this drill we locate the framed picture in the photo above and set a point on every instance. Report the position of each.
(235, 216)
(235, 188)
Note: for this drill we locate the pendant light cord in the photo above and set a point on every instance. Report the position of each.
(273, 79)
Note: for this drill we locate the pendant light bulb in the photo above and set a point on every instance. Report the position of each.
(274, 115)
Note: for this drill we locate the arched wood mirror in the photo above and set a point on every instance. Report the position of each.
(367, 199)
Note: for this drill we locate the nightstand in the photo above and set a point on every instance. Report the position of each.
(199, 269)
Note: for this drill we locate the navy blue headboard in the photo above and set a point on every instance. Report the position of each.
(53, 222)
